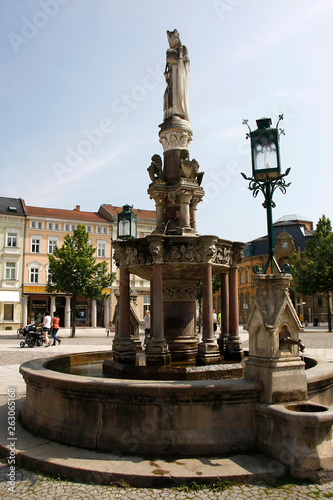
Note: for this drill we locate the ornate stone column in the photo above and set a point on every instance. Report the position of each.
(123, 346)
(159, 199)
(185, 199)
(52, 305)
(234, 349)
(208, 350)
(157, 351)
(68, 312)
(193, 211)
(25, 310)
(222, 341)
(107, 313)
(93, 313)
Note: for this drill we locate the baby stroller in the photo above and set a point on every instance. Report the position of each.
(33, 336)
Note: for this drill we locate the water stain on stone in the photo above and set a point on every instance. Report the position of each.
(160, 472)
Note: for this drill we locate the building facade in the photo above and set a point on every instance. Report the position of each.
(45, 229)
(12, 227)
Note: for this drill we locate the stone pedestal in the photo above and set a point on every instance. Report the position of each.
(273, 328)
(179, 298)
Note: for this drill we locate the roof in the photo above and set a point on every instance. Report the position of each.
(58, 213)
(141, 214)
(299, 233)
(292, 218)
(12, 206)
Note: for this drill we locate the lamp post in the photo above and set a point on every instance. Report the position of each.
(127, 222)
(266, 177)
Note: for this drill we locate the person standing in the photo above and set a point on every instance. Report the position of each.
(46, 325)
(55, 328)
(214, 321)
(147, 326)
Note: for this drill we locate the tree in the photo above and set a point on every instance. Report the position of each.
(73, 270)
(314, 274)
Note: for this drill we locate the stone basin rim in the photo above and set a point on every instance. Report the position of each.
(37, 369)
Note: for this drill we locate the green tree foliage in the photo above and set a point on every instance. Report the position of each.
(314, 274)
(73, 270)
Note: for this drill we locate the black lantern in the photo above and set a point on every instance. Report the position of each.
(127, 222)
(265, 151)
(266, 177)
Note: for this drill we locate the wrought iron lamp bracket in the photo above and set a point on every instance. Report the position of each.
(268, 187)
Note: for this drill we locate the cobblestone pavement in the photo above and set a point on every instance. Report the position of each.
(29, 485)
(32, 486)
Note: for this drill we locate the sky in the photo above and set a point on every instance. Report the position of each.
(81, 93)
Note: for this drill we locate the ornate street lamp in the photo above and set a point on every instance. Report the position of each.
(127, 222)
(266, 172)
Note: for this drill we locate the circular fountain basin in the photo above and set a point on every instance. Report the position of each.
(158, 417)
(187, 417)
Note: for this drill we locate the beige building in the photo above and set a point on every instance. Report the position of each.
(12, 224)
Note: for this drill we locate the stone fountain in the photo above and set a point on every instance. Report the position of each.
(183, 401)
(175, 258)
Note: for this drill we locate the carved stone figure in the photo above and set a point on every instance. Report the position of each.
(189, 168)
(155, 169)
(177, 78)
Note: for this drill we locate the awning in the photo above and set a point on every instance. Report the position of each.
(7, 296)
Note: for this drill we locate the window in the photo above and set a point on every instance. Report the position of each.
(51, 245)
(247, 276)
(34, 275)
(48, 275)
(56, 226)
(35, 245)
(240, 277)
(67, 227)
(36, 224)
(101, 249)
(11, 240)
(320, 302)
(73, 227)
(89, 229)
(98, 229)
(8, 312)
(10, 268)
(50, 225)
(146, 303)
(105, 230)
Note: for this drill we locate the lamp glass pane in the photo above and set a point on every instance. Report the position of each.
(133, 228)
(265, 156)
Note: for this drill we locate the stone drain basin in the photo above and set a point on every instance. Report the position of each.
(306, 407)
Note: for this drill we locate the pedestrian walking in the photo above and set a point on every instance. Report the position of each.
(147, 326)
(46, 325)
(55, 328)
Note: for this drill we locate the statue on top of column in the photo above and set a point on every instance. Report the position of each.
(177, 78)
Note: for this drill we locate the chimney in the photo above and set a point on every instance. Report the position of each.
(77, 208)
